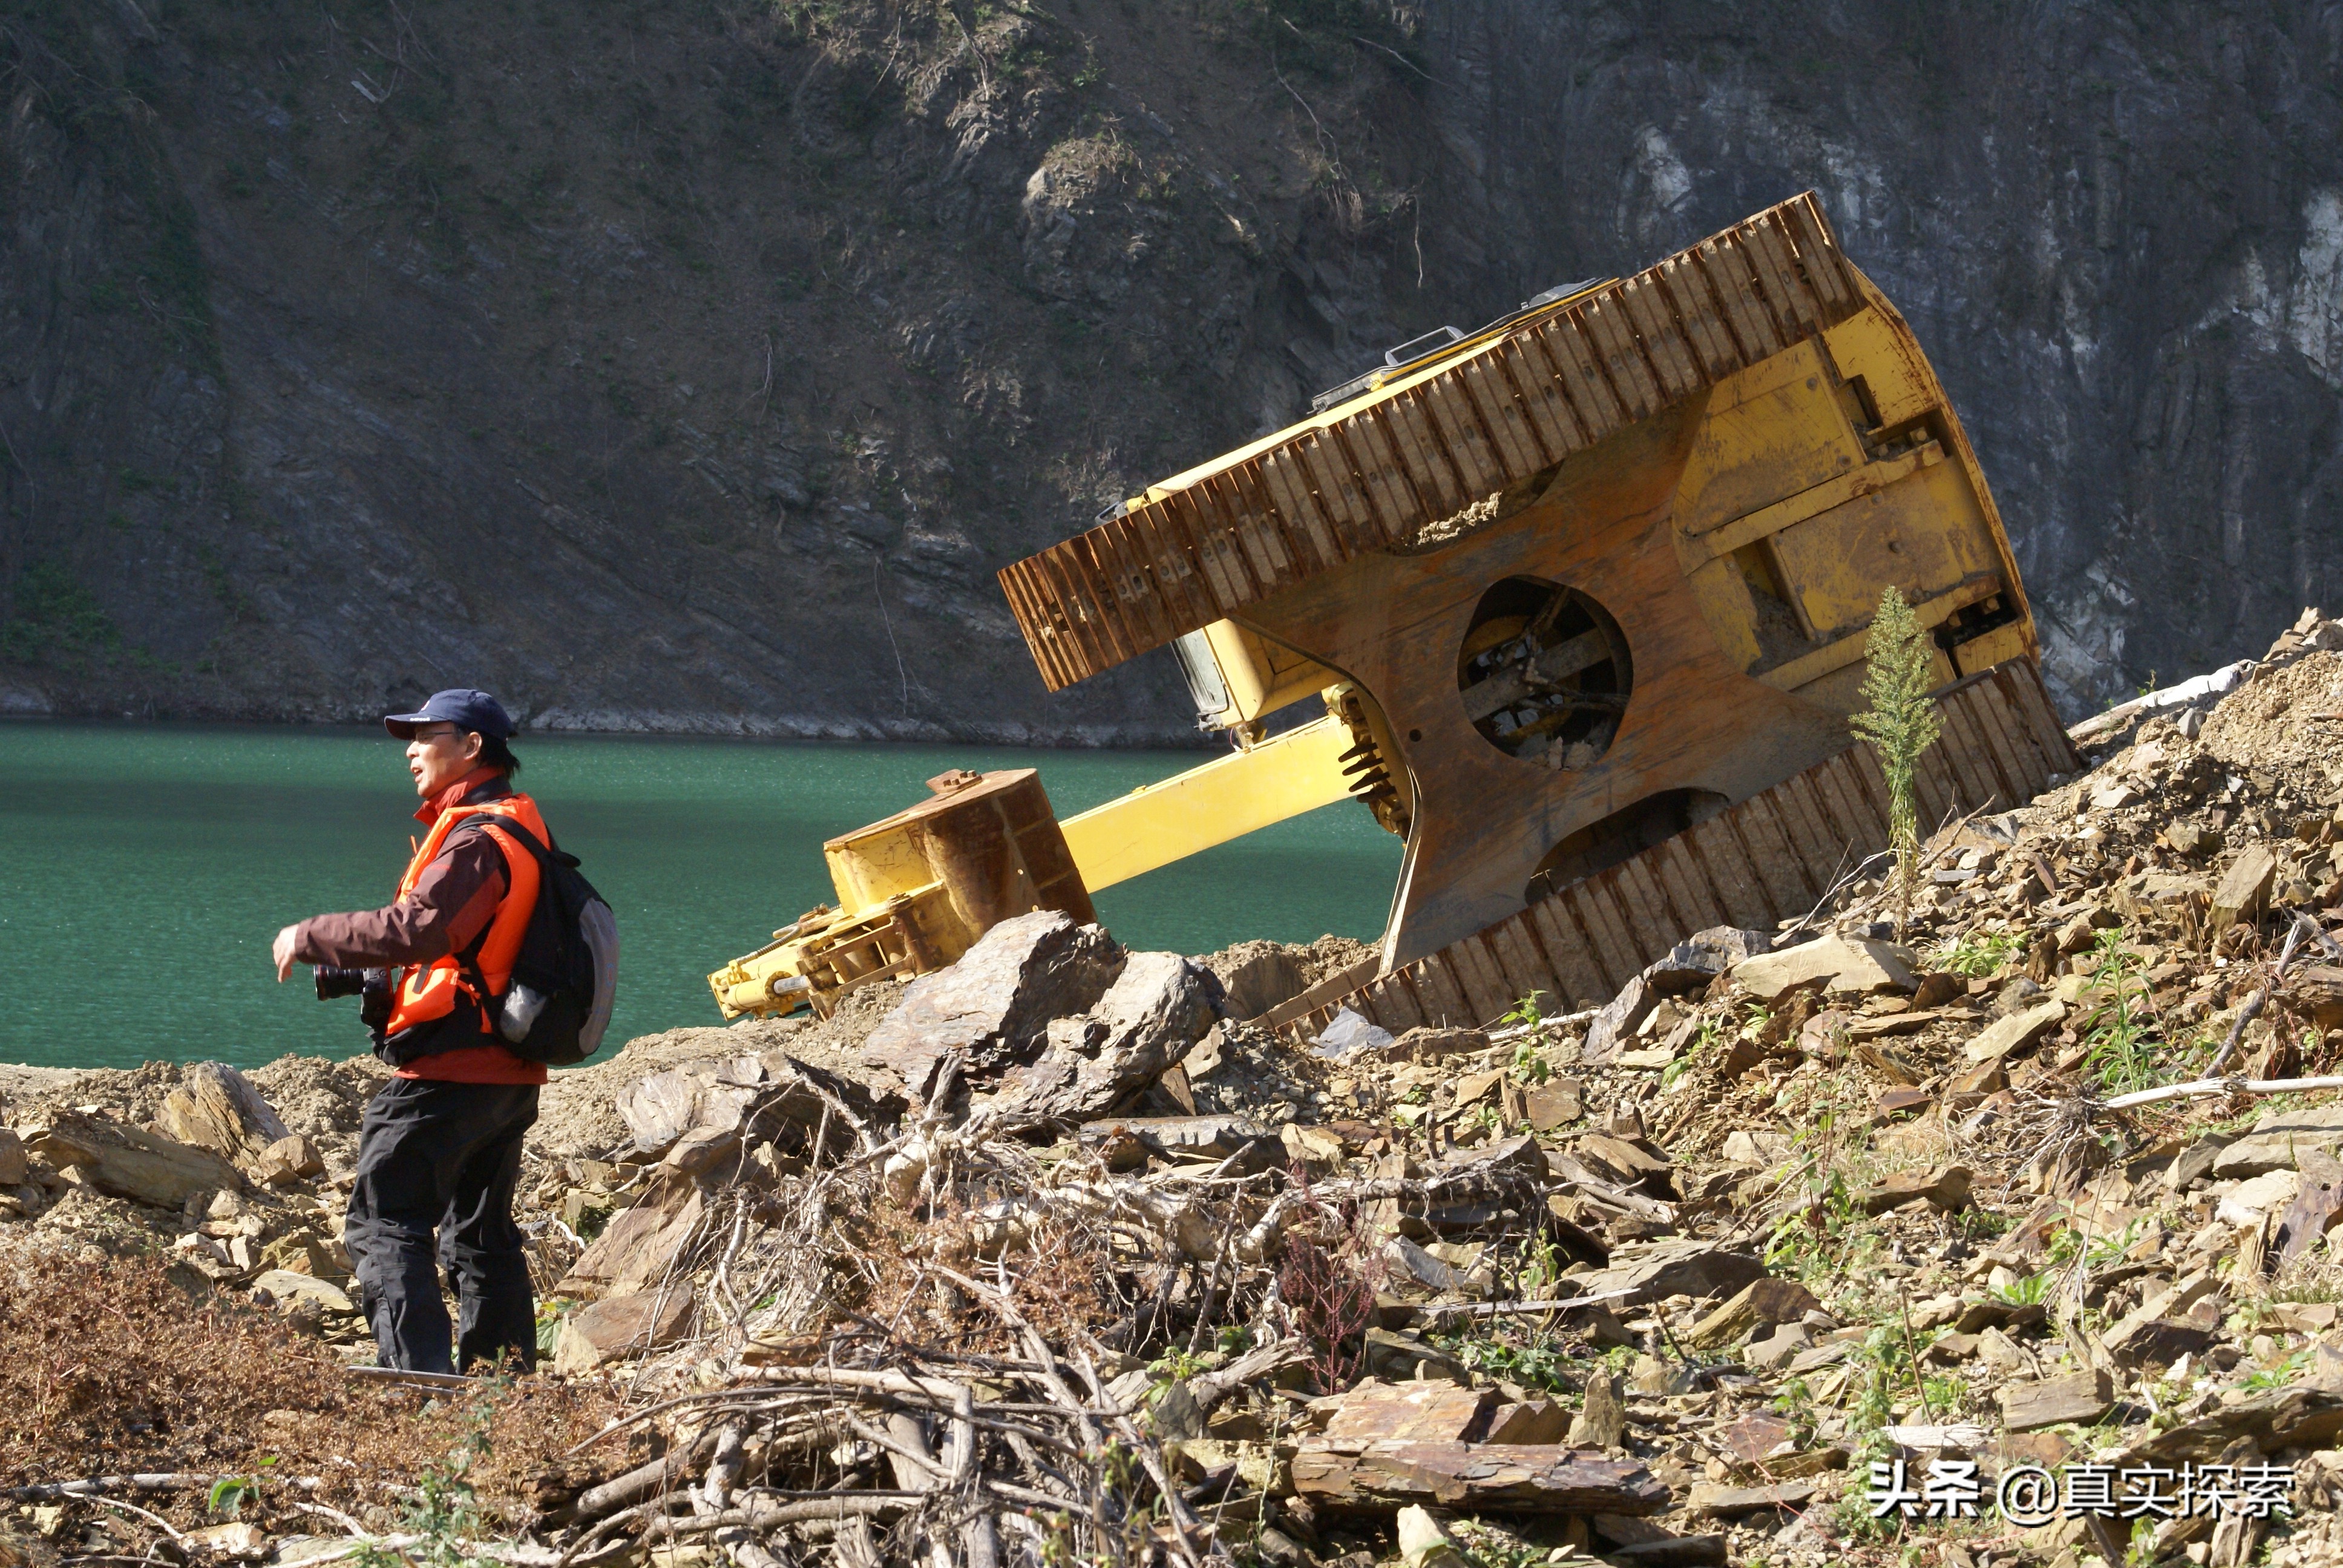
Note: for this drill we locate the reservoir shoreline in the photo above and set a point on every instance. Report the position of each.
(180, 848)
(20, 704)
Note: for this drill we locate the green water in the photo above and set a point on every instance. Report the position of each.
(145, 869)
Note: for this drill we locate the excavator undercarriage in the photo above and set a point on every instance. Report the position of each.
(1584, 596)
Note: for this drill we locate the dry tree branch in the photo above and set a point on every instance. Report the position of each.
(2201, 1087)
(2260, 999)
(151, 1517)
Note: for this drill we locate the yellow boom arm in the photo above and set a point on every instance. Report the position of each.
(915, 890)
(1225, 799)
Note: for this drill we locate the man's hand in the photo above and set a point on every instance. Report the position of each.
(283, 952)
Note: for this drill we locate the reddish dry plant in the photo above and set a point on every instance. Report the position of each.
(112, 1367)
(1061, 1277)
(115, 1367)
(1327, 1281)
(1066, 1287)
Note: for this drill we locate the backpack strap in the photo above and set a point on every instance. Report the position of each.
(506, 834)
(512, 827)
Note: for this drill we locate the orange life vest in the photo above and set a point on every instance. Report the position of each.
(457, 996)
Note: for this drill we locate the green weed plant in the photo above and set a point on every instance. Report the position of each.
(1901, 723)
(2119, 1055)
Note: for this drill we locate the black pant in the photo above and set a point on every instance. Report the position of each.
(442, 1157)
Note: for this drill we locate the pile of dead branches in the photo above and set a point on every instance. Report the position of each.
(928, 1339)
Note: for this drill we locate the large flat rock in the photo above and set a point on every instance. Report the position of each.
(2080, 1400)
(1697, 1269)
(618, 1328)
(130, 1162)
(728, 1093)
(1500, 1477)
(662, 1107)
(2021, 1029)
(1762, 1303)
(1158, 1006)
(2278, 1140)
(994, 1005)
(640, 1245)
(1851, 964)
(216, 1107)
(1427, 1411)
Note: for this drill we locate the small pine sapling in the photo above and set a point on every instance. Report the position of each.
(1901, 723)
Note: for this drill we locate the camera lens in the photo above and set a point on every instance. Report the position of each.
(333, 982)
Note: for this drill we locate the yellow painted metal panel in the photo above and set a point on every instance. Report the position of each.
(875, 864)
(1260, 675)
(1821, 498)
(1924, 534)
(1725, 604)
(1226, 798)
(1898, 380)
(1762, 378)
(1766, 447)
(1847, 650)
(2001, 644)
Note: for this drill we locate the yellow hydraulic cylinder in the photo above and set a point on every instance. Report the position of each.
(1226, 798)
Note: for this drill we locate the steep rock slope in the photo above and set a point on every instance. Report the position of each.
(690, 364)
(675, 365)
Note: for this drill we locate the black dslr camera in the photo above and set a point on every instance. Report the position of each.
(333, 982)
(371, 987)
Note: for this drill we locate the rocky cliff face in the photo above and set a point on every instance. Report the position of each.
(2117, 229)
(691, 364)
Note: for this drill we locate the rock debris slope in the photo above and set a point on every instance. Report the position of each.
(1818, 1246)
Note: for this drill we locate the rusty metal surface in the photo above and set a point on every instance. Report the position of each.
(1428, 446)
(1760, 863)
(997, 849)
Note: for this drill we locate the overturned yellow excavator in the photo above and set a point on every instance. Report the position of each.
(1584, 596)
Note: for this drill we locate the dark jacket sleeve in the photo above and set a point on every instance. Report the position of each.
(448, 907)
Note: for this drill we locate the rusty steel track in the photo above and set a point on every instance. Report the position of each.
(1422, 449)
(1755, 864)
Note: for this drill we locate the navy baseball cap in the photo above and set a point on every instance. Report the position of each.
(463, 708)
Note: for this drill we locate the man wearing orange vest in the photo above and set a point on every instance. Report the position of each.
(439, 1149)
